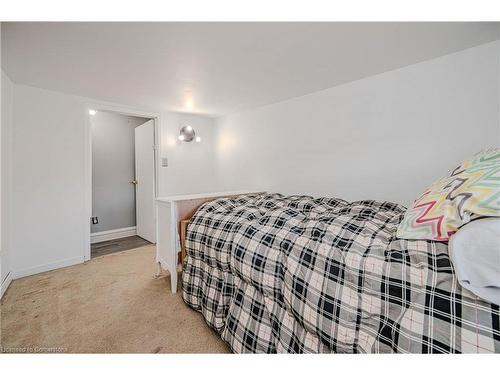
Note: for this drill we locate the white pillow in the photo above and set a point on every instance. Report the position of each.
(475, 253)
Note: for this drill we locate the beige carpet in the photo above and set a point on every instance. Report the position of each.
(112, 304)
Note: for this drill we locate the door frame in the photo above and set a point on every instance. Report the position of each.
(122, 110)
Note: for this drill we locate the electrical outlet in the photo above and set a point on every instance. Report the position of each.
(95, 220)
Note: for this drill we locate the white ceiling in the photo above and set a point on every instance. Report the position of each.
(219, 68)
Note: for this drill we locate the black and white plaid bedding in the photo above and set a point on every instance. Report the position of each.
(303, 275)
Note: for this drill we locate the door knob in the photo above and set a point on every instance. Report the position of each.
(133, 182)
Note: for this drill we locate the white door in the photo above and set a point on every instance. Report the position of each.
(145, 180)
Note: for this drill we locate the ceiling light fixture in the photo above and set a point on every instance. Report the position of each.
(188, 100)
(92, 112)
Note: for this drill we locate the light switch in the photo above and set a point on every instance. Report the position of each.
(164, 162)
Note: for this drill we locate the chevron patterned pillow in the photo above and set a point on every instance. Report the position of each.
(471, 190)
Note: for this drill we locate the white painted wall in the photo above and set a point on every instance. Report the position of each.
(113, 169)
(7, 93)
(384, 137)
(358, 140)
(48, 180)
(50, 222)
(191, 165)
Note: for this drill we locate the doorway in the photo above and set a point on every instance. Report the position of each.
(123, 186)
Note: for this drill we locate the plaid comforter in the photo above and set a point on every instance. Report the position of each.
(303, 275)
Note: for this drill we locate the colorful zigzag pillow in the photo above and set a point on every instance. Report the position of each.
(471, 190)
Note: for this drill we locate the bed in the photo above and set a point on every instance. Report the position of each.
(296, 274)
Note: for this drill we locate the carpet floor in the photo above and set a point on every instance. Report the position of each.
(111, 304)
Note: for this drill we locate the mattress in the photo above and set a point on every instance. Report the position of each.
(296, 274)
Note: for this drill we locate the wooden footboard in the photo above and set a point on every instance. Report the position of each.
(182, 230)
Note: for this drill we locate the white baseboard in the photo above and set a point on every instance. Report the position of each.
(5, 284)
(46, 267)
(112, 234)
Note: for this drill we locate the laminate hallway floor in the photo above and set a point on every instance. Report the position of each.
(111, 304)
(114, 246)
